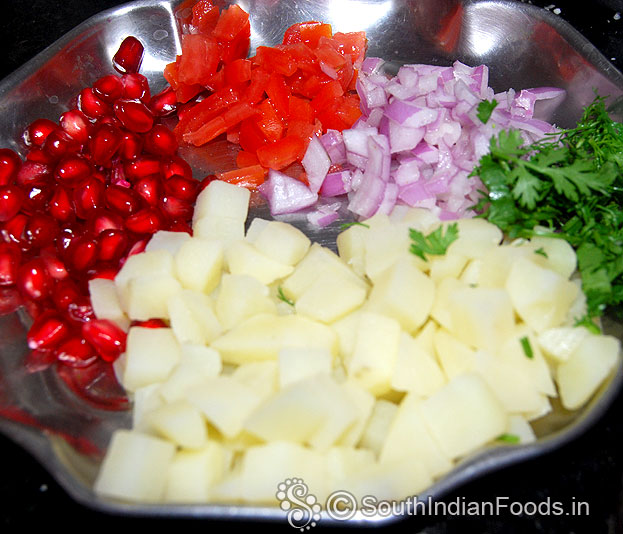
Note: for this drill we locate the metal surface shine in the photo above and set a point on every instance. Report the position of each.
(523, 46)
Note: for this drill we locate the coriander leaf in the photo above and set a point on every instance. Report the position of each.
(347, 225)
(509, 438)
(485, 108)
(435, 243)
(281, 296)
(541, 252)
(527, 348)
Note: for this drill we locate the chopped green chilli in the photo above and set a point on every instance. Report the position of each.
(527, 348)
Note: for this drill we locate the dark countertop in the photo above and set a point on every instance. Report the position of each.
(590, 469)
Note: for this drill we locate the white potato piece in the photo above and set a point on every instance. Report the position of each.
(106, 303)
(282, 242)
(557, 255)
(378, 425)
(416, 370)
(351, 247)
(590, 363)
(534, 366)
(464, 415)
(450, 265)
(296, 364)
(364, 403)
(497, 262)
(242, 258)
(192, 317)
(241, 297)
(454, 356)
(198, 264)
(560, 342)
(152, 353)
(344, 462)
(255, 229)
(166, 240)
(145, 400)
(135, 467)
(226, 230)
(518, 426)
(261, 377)
(346, 330)
(221, 200)
(147, 296)
(179, 422)
(441, 311)
(476, 238)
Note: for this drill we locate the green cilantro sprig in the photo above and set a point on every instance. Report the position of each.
(435, 243)
(281, 296)
(484, 110)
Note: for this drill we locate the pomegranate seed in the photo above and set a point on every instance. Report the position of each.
(73, 170)
(80, 311)
(54, 266)
(33, 172)
(13, 230)
(88, 197)
(206, 182)
(182, 188)
(176, 166)
(33, 280)
(150, 188)
(108, 272)
(102, 219)
(11, 200)
(92, 105)
(117, 175)
(35, 308)
(38, 155)
(176, 208)
(60, 205)
(76, 352)
(134, 115)
(160, 141)
(82, 253)
(10, 258)
(65, 238)
(39, 360)
(145, 221)
(77, 125)
(150, 323)
(135, 87)
(131, 146)
(38, 131)
(104, 143)
(10, 300)
(64, 293)
(36, 198)
(10, 164)
(137, 248)
(107, 338)
(164, 103)
(122, 200)
(40, 230)
(129, 56)
(180, 226)
(59, 144)
(47, 331)
(113, 243)
(109, 88)
(142, 167)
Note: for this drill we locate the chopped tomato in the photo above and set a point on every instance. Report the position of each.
(205, 16)
(281, 153)
(279, 93)
(246, 159)
(238, 71)
(232, 21)
(250, 177)
(199, 59)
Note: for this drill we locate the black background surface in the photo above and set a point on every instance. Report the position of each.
(589, 469)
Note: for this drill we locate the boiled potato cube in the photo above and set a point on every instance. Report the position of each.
(179, 422)
(497, 263)
(416, 370)
(192, 318)
(221, 200)
(378, 425)
(560, 342)
(166, 240)
(454, 356)
(534, 365)
(255, 229)
(198, 264)
(282, 242)
(155, 262)
(135, 467)
(226, 230)
(587, 367)
(464, 415)
(106, 303)
(404, 293)
(297, 364)
(351, 247)
(343, 462)
(242, 258)
(152, 353)
(241, 297)
(518, 426)
(476, 238)
(555, 254)
(346, 330)
(364, 403)
(145, 400)
(261, 377)
(541, 297)
(147, 296)
(450, 265)
(441, 310)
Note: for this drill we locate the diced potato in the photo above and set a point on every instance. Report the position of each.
(225, 402)
(441, 311)
(226, 230)
(282, 242)
(587, 367)
(476, 238)
(535, 367)
(519, 426)
(378, 425)
(416, 370)
(409, 437)
(557, 255)
(351, 247)
(198, 264)
(244, 259)
(106, 303)
(261, 377)
(470, 276)
(240, 297)
(454, 356)
(344, 462)
(375, 353)
(421, 219)
(544, 408)
(192, 317)
(364, 403)
(346, 330)
(147, 296)
(541, 297)
(166, 240)
(497, 263)
(255, 229)
(450, 265)
(404, 293)
(559, 343)
(145, 400)
(221, 200)
(180, 422)
(464, 415)
(425, 336)
(155, 262)
(152, 353)
(192, 473)
(135, 467)
(296, 364)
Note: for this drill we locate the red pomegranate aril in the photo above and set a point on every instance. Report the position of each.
(131, 146)
(92, 105)
(80, 310)
(182, 188)
(33, 172)
(10, 258)
(61, 206)
(134, 115)
(109, 87)
(66, 236)
(38, 155)
(64, 293)
(88, 197)
(180, 226)
(145, 221)
(10, 164)
(10, 300)
(60, 144)
(76, 352)
(101, 220)
(122, 200)
(37, 132)
(82, 253)
(104, 143)
(150, 323)
(135, 87)
(176, 166)
(160, 141)
(39, 360)
(53, 264)
(136, 248)
(129, 56)
(164, 103)
(33, 280)
(108, 339)
(47, 331)
(73, 170)
(35, 308)
(176, 208)
(142, 167)
(150, 189)
(77, 125)
(11, 200)
(36, 198)
(40, 230)
(13, 230)
(109, 272)
(205, 182)
(117, 175)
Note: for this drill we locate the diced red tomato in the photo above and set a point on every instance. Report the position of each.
(246, 159)
(275, 60)
(250, 177)
(205, 16)
(232, 21)
(281, 153)
(279, 93)
(238, 71)
(269, 122)
(199, 59)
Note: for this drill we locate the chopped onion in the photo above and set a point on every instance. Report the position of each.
(286, 194)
